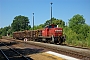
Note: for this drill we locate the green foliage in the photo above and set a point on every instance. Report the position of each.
(70, 35)
(55, 21)
(80, 30)
(4, 31)
(76, 39)
(76, 19)
(88, 37)
(1, 31)
(37, 27)
(0, 37)
(58, 22)
(76, 22)
(20, 23)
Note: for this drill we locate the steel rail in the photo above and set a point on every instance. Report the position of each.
(4, 54)
(17, 52)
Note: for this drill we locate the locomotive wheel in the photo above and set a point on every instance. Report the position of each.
(55, 40)
(60, 41)
(49, 41)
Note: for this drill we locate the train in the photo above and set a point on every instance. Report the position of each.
(50, 34)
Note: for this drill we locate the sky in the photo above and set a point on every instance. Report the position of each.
(61, 9)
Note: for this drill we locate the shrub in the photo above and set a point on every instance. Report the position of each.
(0, 37)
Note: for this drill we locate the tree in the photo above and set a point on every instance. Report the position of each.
(76, 22)
(78, 25)
(58, 22)
(20, 23)
(3, 31)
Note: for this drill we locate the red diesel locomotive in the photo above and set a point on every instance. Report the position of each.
(50, 34)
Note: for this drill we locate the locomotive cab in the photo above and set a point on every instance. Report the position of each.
(52, 30)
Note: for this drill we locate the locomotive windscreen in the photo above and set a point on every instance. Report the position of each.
(52, 26)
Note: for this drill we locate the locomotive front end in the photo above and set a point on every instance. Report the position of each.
(58, 31)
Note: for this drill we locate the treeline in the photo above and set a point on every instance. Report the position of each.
(58, 22)
(76, 30)
(20, 23)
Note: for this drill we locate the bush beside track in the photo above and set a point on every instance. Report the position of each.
(0, 37)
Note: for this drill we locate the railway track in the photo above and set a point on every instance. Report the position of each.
(12, 54)
(70, 51)
(74, 52)
(55, 44)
